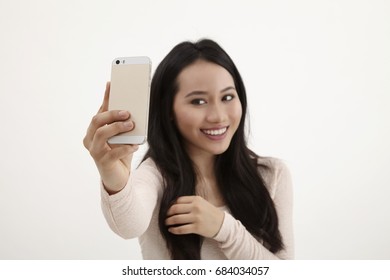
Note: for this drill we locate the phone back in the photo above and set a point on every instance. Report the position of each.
(130, 91)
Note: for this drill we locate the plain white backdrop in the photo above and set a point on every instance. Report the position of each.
(318, 82)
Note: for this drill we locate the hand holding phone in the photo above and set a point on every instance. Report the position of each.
(130, 91)
(112, 161)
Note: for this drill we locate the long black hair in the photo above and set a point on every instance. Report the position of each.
(237, 170)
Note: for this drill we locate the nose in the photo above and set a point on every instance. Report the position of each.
(216, 113)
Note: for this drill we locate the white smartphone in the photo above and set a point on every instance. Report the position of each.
(130, 91)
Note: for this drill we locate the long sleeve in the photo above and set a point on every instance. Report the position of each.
(237, 243)
(129, 212)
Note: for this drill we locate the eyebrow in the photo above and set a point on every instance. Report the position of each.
(199, 92)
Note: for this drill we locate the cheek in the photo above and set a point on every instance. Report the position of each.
(236, 113)
(183, 119)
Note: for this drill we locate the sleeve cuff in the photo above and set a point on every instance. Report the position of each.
(123, 193)
(227, 224)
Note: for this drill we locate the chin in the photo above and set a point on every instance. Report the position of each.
(218, 151)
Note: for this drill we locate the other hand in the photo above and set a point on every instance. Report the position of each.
(193, 214)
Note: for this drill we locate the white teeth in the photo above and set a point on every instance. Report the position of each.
(215, 132)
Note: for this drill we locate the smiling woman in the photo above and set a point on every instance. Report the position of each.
(199, 193)
(206, 118)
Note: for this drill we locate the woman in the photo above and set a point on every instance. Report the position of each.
(199, 193)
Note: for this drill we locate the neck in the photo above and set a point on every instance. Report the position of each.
(207, 186)
(204, 164)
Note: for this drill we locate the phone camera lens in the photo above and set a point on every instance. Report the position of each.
(118, 61)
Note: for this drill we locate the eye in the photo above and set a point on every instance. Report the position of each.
(198, 101)
(228, 97)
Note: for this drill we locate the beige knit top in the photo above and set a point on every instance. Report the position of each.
(133, 212)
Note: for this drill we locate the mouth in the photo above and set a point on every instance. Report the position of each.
(215, 132)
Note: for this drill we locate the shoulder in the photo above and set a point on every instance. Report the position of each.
(147, 171)
(146, 180)
(148, 164)
(275, 174)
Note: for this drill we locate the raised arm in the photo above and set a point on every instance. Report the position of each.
(112, 161)
(129, 212)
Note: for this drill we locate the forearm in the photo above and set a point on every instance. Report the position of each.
(129, 211)
(237, 243)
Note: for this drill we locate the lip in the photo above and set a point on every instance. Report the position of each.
(215, 137)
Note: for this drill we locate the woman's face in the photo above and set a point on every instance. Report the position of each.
(207, 109)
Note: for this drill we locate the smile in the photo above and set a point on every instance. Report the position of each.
(215, 132)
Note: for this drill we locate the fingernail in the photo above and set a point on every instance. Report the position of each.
(123, 114)
(128, 124)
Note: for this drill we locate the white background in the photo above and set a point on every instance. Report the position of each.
(317, 77)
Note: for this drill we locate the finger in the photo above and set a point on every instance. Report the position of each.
(104, 106)
(91, 129)
(184, 229)
(105, 132)
(186, 199)
(179, 209)
(179, 219)
(103, 119)
(109, 117)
